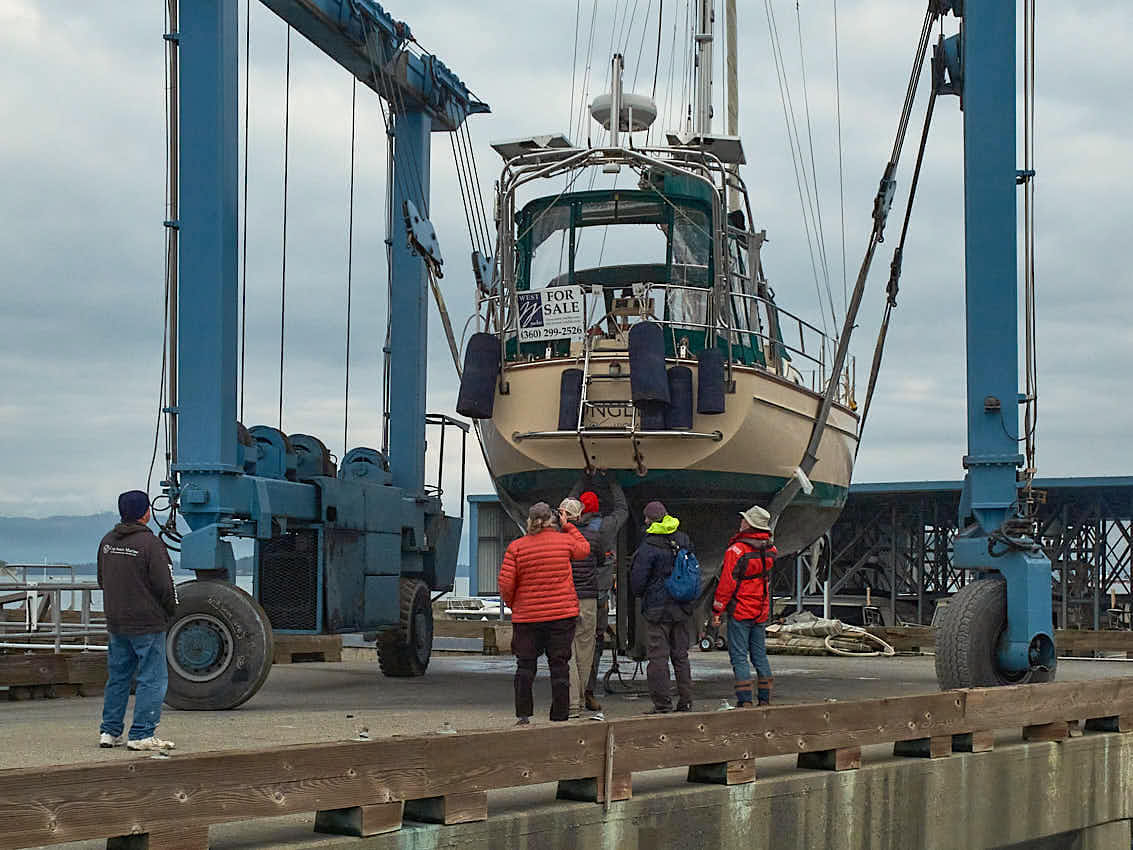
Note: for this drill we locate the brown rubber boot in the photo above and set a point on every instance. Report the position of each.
(763, 690)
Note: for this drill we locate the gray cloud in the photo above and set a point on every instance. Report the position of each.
(81, 205)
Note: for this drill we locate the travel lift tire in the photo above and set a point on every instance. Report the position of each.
(404, 649)
(219, 648)
(968, 638)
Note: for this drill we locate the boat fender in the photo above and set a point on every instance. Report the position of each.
(652, 415)
(478, 381)
(648, 381)
(570, 397)
(710, 382)
(678, 415)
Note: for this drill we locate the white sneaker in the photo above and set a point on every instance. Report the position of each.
(106, 740)
(150, 743)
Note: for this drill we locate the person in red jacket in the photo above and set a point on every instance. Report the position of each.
(536, 583)
(742, 593)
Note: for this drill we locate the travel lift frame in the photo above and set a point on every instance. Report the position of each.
(994, 631)
(998, 628)
(354, 552)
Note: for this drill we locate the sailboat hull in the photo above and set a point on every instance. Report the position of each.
(724, 464)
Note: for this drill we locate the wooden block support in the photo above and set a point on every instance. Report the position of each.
(449, 809)
(723, 772)
(1057, 730)
(189, 837)
(360, 821)
(974, 742)
(593, 790)
(842, 758)
(1115, 723)
(938, 746)
(293, 649)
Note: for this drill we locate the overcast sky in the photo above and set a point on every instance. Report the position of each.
(81, 210)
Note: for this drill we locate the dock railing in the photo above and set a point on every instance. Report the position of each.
(362, 787)
(42, 616)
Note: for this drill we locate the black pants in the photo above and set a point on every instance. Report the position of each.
(669, 641)
(528, 642)
(600, 626)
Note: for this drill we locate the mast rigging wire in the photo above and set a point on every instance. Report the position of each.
(820, 231)
(841, 171)
(283, 272)
(349, 267)
(787, 493)
(244, 222)
(801, 183)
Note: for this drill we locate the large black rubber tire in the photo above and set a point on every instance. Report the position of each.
(405, 649)
(968, 637)
(219, 647)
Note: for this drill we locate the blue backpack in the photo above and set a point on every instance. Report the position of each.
(683, 583)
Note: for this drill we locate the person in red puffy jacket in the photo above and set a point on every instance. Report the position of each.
(536, 583)
(743, 594)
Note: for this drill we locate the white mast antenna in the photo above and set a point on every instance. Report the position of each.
(705, 20)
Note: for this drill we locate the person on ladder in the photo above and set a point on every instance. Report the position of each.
(606, 529)
(742, 594)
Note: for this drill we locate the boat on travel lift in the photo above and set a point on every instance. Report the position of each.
(635, 330)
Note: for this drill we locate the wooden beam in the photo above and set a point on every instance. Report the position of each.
(360, 821)
(974, 742)
(188, 837)
(449, 808)
(51, 805)
(938, 746)
(840, 758)
(723, 772)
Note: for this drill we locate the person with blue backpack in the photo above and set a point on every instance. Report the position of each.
(666, 577)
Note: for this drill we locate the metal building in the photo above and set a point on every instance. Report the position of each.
(893, 542)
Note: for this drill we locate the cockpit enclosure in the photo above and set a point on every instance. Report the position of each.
(667, 251)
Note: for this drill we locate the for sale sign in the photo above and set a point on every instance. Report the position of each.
(552, 313)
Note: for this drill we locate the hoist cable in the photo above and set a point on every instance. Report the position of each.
(472, 237)
(788, 491)
(244, 223)
(1031, 409)
(478, 194)
(283, 273)
(895, 270)
(349, 267)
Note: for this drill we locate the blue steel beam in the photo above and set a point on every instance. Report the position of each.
(362, 37)
(991, 292)
(409, 305)
(208, 228)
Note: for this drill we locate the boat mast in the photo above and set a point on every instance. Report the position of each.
(704, 21)
(732, 90)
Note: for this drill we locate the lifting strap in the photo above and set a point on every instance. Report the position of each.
(881, 205)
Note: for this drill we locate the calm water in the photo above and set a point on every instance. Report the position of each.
(73, 600)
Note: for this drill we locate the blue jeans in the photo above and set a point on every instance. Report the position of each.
(144, 654)
(747, 638)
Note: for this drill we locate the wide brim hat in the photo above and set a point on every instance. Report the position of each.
(757, 517)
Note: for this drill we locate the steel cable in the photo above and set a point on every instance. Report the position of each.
(283, 271)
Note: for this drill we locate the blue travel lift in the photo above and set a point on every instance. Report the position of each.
(998, 629)
(357, 549)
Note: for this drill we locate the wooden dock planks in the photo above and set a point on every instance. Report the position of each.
(363, 787)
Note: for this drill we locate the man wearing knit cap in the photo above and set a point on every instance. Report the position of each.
(603, 532)
(138, 597)
(667, 620)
